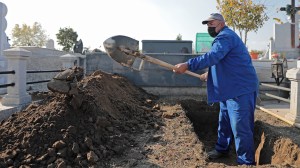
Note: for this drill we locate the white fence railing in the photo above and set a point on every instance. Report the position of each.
(17, 61)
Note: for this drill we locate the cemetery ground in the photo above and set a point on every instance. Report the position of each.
(119, 125)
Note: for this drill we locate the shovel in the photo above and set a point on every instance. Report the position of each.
(124, 50)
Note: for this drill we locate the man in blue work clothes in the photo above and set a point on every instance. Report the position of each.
(231, 81)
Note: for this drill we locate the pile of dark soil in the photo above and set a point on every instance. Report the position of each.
(52, 134)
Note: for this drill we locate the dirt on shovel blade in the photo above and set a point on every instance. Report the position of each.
(120, 125)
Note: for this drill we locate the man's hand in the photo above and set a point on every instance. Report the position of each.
(203, 76)
(180, 68)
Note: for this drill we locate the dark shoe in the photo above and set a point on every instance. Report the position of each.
(215, 154)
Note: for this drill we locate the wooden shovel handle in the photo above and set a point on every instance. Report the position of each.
(165, 64)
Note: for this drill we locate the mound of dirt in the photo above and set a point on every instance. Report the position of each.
(53, 134)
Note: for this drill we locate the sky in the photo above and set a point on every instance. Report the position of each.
(96, 20)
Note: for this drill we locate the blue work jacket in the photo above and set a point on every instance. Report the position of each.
(230, 69)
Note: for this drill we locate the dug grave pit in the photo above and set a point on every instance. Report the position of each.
(276, 142)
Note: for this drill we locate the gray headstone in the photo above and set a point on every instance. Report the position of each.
(50, 44)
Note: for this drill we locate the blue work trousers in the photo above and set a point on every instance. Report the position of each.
(236, 121)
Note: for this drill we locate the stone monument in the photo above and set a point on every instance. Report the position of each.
(50, 44)
(78, 47)
(281, 41)
(3, 45)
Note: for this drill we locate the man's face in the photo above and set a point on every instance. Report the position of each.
(214, 23)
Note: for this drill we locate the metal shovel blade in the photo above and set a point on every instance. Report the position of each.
(124, 50)
(113, 44)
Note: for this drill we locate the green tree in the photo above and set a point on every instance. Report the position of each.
(66, 37)
(243, 15)
(29, 36)
(179, 37)
(226, 7)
